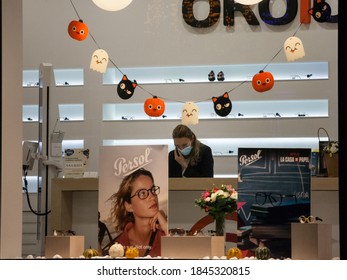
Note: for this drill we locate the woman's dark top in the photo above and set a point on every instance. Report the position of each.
(204, 168)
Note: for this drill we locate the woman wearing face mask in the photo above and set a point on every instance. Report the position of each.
(191, 158)
(135, 213)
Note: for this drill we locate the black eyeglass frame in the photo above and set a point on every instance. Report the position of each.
(155, 190)
(271, 197)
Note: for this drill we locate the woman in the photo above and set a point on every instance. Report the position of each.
(190, 158)
(136, 215)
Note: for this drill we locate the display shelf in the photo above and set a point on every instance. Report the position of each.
(232, 73)
(71, 112)
(62, 77)
(30, 113)
(229, 146)
(181, 184)
(187, 74)
(67, 112)
(202, 184)
(259, 109)
(69, 77)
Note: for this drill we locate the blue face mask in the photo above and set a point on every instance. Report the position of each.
(186, 151)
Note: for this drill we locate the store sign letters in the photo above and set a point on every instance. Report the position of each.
(319, 10)
(123, 166)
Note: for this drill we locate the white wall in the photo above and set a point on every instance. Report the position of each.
(153, 33)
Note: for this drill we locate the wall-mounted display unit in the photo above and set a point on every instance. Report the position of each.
(232, 73)
(240, 109)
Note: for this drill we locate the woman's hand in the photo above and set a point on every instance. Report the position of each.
(181, 159)
(159, 222)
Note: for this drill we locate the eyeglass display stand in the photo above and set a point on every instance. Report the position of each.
(64, 246)
(311, 241)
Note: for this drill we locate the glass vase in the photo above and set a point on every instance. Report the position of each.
(220, 224)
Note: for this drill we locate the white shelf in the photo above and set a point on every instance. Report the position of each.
(30, 113)
(232, 73)
(222, 147)
(67, 112)
(71, 112)
(240, 110)
(187, 74)
(62, 77)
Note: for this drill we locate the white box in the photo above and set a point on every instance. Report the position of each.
(192, 247)
(65, 246)
(311, 241)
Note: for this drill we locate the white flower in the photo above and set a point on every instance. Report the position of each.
(334, 149)
(226, 194)
(331, 148)
(234, 195)
(216, 194)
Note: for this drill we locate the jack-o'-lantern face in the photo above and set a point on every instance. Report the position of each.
(78, 30)
(154, 107)
(190, 113)
(263, 81)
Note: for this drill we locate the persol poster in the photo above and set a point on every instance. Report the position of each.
(119, 162)
(274, 186)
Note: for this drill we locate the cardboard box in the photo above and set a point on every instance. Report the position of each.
(65, 246)
(311, 241)
(192, 247)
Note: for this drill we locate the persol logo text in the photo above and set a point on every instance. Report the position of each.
(247, 160)
(122, 166)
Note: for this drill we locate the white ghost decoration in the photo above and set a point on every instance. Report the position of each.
(99, 61)
(293, 48)
(190, 113)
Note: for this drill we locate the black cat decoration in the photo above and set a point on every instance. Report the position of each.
(321, 11)
(222, 105)
(126, 88)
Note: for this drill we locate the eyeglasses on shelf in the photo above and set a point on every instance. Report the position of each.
(309, 219)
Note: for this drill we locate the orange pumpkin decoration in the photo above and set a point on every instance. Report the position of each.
(234, 252)
(78, 30)
(132, 252)
(154, 107)
(263, 81)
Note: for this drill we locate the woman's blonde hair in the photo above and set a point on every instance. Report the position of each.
(119, 215)
(183, 131)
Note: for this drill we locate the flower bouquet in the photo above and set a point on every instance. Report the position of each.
(331, 148)
(218, 202)
(329, 156)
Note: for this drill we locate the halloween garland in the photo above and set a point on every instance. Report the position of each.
(222, 105)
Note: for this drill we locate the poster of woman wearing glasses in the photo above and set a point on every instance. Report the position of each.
(274, 186)
(133, 196)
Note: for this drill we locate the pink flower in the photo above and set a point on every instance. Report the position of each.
(230, 188)
(205, 194)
